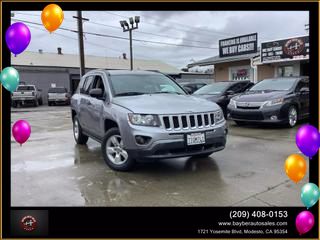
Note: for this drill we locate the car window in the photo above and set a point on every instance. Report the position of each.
(275, 84)
(98, 83)
(236, 87)
(143, 84)
(214, 88)
(26, 88)
(88, 84)
(57, 90)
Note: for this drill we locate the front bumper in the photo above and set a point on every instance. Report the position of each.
(274, 114)
(166, 144)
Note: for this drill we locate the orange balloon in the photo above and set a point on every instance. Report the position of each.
(295, 167)
(52, 17)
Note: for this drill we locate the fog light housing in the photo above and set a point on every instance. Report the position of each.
(274, 117)
(142, 140)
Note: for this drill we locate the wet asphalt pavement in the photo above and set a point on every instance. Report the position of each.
(51, 170)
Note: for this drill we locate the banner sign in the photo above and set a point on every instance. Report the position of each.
(240, 45)
(285, 49)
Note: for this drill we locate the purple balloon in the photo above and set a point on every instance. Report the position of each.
(308, 140)
(18, 37)
(21, 131)
(304, 222)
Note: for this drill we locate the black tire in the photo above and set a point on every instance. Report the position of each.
(40, 102)
(127, 165)
(80, 138)
(36, 103)
(205, 155)
(14, 104)
(240, 123)
(294, 123)
(49, 104)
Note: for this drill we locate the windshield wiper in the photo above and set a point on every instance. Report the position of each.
(128, 94)
(165, 92)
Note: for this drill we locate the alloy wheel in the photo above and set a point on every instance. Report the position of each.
(115, 151)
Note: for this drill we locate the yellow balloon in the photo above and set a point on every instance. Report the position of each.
(52, 17)
(295, 167)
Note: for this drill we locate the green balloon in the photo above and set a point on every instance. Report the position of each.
(310, 194)
(9, 78)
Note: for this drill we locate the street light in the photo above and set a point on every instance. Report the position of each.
(126, 28)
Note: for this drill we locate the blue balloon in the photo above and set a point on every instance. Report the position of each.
(310, 194)
(9, 78)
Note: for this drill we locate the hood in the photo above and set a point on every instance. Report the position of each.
(259, 96)
(165, 104)
(210, 97)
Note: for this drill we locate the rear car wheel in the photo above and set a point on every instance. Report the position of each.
(79, 137)
(36, 103)
(40, 101)
(114, 154)
(292, 117)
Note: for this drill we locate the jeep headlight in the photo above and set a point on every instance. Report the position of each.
(233, 103)
(144, 119)
(274, 102)
(218, 116)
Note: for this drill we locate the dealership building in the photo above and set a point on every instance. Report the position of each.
(241, 59)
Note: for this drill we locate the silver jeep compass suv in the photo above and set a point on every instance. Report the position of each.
(142, 116)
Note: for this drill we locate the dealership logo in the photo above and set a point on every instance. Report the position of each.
(294, 47)
(28, 223)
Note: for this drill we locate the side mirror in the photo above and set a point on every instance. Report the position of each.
(304, 89)
(96, 93)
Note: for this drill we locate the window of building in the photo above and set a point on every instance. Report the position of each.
(240, 73)
(285, 71)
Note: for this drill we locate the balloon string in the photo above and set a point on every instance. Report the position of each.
(15, 55)
(50, 32)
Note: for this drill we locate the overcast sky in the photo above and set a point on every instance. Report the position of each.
(200, 28)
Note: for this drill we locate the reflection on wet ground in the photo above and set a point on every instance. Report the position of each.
(51, 170)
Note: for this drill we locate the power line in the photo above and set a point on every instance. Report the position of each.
(39, 16)
(171, 27)
(207, 31)
(88, 42)
(154, 34)
(123, 38)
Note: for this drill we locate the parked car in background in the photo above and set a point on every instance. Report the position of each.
(25, 94)
(277, 100)
(191, 87)
(58, 95)
(143, 116)
(222, 92)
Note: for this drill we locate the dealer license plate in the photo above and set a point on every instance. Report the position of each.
(196, 138)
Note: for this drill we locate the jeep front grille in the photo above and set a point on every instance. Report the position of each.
(187, 121)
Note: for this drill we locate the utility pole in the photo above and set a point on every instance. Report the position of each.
(80, 36)
(126, 28)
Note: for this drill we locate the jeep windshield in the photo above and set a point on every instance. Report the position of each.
(277, 84)
(138, 84)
